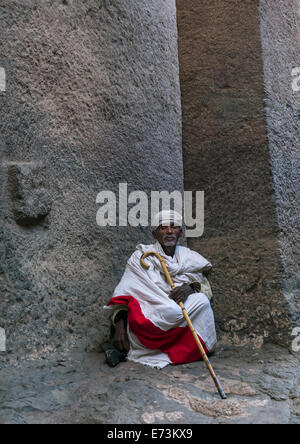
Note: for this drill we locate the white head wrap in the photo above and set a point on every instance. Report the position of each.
(166, 217)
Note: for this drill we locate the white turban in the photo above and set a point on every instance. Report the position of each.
(167, 217)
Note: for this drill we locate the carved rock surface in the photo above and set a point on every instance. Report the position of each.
(281, 46)
(92, 95)
(250, 199)
(80, 388)
(31, 200)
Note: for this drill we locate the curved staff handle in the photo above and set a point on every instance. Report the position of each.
(187, 318)
(150, 253)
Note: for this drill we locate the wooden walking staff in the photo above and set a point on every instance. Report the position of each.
(200, 346)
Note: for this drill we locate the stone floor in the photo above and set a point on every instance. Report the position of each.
(262, 387)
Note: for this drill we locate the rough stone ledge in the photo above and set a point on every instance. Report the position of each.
(76, 387)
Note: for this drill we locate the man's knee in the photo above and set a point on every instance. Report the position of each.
(174, 313)
(206, 301)
(200, 299)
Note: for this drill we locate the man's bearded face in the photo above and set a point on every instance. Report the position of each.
(167, 236)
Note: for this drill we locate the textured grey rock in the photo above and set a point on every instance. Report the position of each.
(227, 154)
(80, 388)
(92, 100)
(280, 43)
(31, 202)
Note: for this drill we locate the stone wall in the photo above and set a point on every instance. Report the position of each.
(92, 99)
(226, 154)
(280, 22)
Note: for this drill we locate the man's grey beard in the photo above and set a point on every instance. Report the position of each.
(170, 243)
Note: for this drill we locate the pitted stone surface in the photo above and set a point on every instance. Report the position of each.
(29, 193)
(92, 100)
(227, 154)
(281, 45)
(262, 388)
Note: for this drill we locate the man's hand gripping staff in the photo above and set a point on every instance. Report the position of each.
(200, 346)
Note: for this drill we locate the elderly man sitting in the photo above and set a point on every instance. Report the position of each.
(148, 323)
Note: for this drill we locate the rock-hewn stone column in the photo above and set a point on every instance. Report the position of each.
(92, 99)
(226, 154)
(280, 24)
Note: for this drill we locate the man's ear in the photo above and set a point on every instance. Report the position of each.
(154, 234)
